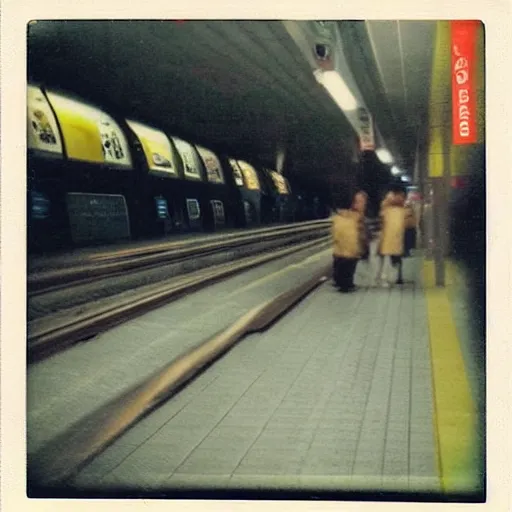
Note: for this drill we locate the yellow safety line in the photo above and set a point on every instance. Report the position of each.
(454, 416)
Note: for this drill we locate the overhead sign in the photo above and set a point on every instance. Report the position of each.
(237, 173)
(212, 165)
(42, 130)
(366, 137)
(250, 175)
(463, 42)
(157, 148)
(89, 133)
(279, 182)
(191, 164)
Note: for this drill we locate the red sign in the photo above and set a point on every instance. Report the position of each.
(459, 182)
(463, 80)
(414, 196)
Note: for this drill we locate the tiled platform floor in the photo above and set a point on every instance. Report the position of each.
(337, 394)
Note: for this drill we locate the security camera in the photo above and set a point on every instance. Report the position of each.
(322, 51)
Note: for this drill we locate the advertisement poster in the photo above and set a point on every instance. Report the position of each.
(43, 133)
(218, 212)
(250, 175)
(113, 141)
(193, 209)
(212, 165)
(191, 164)
(94, 217)
(279, 182)
(157, 148)
(90, 134)
(237, 173)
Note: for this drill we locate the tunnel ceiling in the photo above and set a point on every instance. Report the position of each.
(391, 62)
(241, 87)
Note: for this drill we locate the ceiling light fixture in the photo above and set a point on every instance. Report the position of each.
(384, 156)
(395, 170)
(406, 179)
(337, 88)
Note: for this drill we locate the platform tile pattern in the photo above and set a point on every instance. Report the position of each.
(336, 395)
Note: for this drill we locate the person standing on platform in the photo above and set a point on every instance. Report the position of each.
(348, 236)
(395, 220)
(410, 229)
(373, 227)
(373, 235)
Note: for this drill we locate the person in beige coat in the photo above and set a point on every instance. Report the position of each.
(395, 220)
(348, 237)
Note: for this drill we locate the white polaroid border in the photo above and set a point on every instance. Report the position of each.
(14, 18)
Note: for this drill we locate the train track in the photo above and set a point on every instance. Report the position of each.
(120, 279)
(63, 325)
(112, 263)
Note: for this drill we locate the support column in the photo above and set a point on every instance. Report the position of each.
(425, 190)
(439, 229)
(440, 217)
(427, 215)
(447, 173)
(439, 140)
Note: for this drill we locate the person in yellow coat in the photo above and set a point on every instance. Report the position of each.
(389, 198)
(396, 218)
(348, 237)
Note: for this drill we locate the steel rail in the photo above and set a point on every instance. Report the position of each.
(48, 337)
(50, 280)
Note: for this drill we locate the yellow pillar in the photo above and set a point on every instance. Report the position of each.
(439, 134)
(439, 123)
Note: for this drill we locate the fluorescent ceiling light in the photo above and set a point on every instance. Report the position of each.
(395, 170)
(384, 156)
(337, 88)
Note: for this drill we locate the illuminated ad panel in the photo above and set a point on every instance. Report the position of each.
(191, 164)
(157, 148)
(279, 182)
(463, 44)
(237, 173)
(250, 175)
(42, 130)
(89, 133)
(212, 165)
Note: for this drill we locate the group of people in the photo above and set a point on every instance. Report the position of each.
(384, 239)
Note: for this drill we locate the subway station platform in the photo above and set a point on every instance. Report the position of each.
(372, 391)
